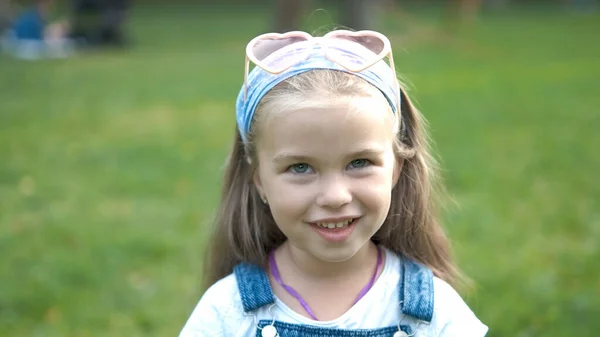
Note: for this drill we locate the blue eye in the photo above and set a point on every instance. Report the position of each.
(359, 163)
(300, 168)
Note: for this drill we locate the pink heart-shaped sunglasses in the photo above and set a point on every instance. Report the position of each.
(275, 53)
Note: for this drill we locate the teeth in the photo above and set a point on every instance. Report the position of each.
(332, 225)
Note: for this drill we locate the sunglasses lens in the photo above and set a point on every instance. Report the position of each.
(350, 54)
(267, 46)
(273, 52)
(372, 43)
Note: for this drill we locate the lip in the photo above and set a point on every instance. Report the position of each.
(329, 220)
(335, 235)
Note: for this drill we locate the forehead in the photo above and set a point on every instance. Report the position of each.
(329, 130)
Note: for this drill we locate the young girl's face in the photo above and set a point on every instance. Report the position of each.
(327, 174)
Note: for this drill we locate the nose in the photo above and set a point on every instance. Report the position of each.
(334, 192)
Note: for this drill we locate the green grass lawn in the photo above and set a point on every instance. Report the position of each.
(111, 161)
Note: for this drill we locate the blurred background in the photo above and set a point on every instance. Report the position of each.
(116, 117)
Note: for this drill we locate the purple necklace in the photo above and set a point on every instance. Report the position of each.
(291, 291)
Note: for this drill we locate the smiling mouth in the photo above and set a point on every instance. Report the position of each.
(335, 231)
(334, 225)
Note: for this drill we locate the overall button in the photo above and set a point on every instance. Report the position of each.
(270, 331)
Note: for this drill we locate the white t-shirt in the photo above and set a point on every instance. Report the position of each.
(220, 311)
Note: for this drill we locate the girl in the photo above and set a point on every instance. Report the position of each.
(326, 225)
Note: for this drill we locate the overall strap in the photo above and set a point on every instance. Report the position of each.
(416, 290)
(253, 285)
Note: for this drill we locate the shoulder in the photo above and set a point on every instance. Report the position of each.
(219, 311)
(223, 295)
(28, 24)
(452, 316)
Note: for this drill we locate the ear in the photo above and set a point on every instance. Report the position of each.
(258, 183)
(397, 170)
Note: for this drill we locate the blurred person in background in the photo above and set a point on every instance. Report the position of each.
(584, 5)
(98, 23)
(31, 37)
(4, 14)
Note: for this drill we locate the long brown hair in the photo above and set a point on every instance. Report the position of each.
(244, 230)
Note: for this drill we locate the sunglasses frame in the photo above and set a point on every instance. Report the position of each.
(386, 51)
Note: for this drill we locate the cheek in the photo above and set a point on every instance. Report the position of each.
(287, 200)
(377, 192)
(287, 213)
(376, 196)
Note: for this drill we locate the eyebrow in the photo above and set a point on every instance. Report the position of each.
(289, 157)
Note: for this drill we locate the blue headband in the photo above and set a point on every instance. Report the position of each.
(260, 82)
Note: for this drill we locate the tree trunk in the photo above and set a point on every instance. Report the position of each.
(288, 14)
(358, 14)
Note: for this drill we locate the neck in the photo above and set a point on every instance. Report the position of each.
(312, 268)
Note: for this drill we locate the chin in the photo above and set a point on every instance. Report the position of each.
(337, 254)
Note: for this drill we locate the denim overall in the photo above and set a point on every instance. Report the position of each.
(416, 300)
